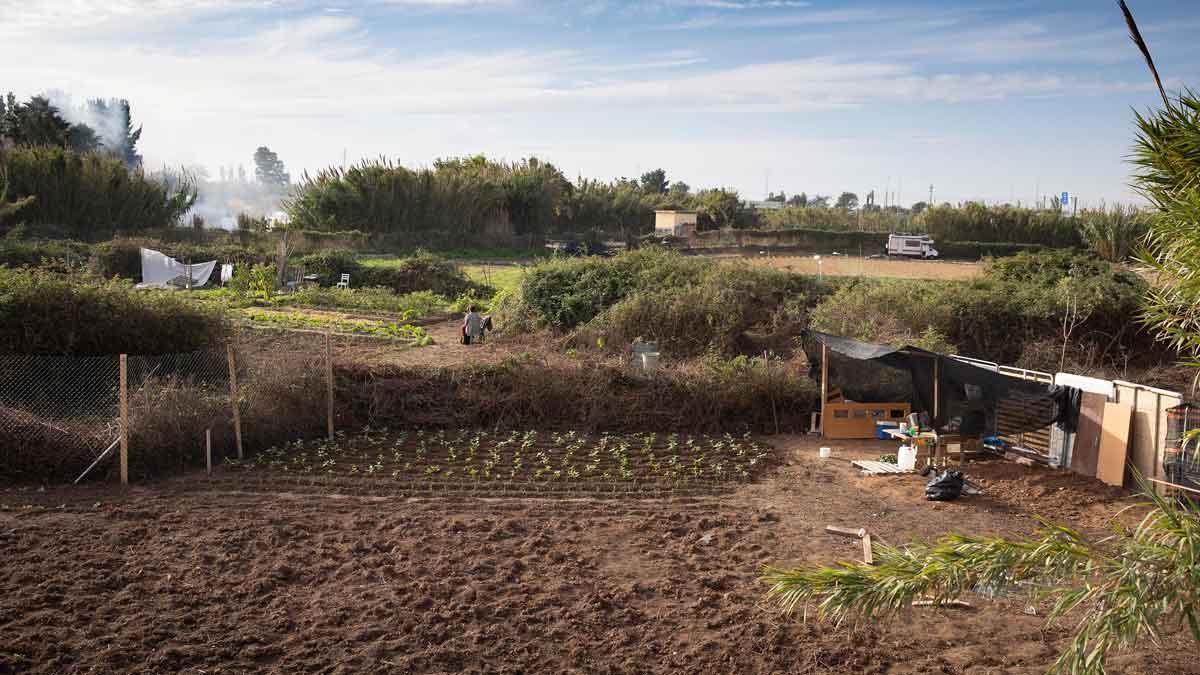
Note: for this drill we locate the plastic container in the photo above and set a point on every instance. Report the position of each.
(649, 360)
(906, 458)
(826, 452)
(881, 430)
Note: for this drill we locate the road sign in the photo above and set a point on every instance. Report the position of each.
(1066, 198)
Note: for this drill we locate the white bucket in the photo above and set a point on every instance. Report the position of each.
(906, 458)
(649, 360)
(826, 452)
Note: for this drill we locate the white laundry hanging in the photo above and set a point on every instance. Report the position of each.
(161, 271)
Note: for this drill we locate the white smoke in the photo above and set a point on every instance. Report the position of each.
(221, 200)
(106, 117)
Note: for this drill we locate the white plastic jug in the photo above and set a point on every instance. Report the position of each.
(906, 458)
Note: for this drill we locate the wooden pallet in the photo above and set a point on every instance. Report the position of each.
(873, 468)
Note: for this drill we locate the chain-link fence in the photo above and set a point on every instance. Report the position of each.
(61, 417)
(57, 414)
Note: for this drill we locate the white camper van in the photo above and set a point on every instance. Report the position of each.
(911, 245)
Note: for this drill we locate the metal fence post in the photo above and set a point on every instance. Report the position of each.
(124, 389)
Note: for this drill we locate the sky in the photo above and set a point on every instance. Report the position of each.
(998, 101)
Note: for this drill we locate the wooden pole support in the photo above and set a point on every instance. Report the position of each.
(329, 382)
(866, 543)
(824, 384)
(846, 531)
(233, 399)
(208, 450)
(937, 375)
(124, 389)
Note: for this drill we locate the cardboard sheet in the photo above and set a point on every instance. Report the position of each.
(1114, 443)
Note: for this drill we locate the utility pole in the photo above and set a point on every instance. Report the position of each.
(931, 194)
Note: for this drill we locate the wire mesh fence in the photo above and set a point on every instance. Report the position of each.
(62, 416)
(57, 413)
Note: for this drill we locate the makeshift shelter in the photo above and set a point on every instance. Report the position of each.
(976, 399)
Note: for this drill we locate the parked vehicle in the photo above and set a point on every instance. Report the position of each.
(911, 245)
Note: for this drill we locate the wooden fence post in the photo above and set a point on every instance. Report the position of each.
(124, 389)
(824, 383)
(233, 399)
(329, 382)
(208, 450)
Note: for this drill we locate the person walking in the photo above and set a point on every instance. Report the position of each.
(472, 327)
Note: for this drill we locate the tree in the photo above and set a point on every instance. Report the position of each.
(679, 189)
(719, 207)
(269, 169)
(82, 138)
(848, 201)
(40, 122)
(1167, 156)
(919, 207)
(114, 124)
(655, 182)
(819, 201)
(800, 200)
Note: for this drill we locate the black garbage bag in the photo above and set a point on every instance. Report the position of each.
(945, 487)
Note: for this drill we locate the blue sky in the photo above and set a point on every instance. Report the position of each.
(983, 100)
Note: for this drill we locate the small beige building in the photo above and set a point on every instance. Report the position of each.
(675, 223)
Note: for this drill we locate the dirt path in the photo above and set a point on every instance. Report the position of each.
(447, 349)
(171, 578)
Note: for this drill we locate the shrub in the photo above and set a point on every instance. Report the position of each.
(1019, 300)
(420, 272)
(570, 292)
(44, 313)
(257, 282)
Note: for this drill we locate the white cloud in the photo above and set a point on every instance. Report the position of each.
(20, 17)
(311, 85)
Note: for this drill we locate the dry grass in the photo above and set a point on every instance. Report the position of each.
(851, 266)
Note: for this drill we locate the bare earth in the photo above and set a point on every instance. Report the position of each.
(233, 575)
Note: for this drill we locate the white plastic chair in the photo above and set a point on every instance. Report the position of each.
(345, 282)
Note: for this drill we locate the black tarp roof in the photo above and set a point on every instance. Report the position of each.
(954, 378)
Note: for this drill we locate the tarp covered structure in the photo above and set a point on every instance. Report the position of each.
(161, 271)
(959, 387)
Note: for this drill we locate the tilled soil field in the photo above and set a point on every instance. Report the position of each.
(198, 577)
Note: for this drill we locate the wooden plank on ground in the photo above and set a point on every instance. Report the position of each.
(874, 468)
(1114, 443)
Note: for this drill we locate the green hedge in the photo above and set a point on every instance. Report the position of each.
(59, 254)
(46, 313)
(122, 257)
(420, 272)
